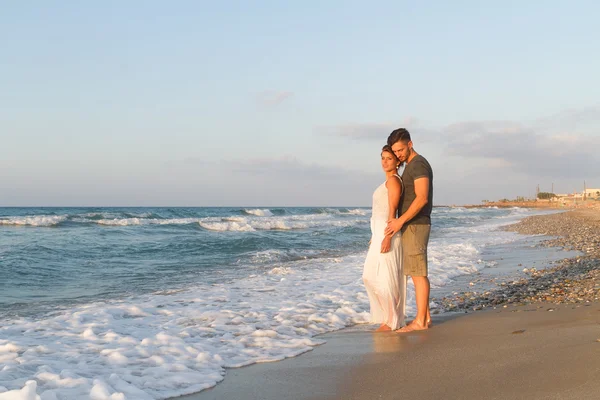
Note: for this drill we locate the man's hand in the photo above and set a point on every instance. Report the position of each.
(386, 244)
(393, 227)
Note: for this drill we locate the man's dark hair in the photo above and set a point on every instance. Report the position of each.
(398, 135)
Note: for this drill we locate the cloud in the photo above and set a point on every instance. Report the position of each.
(275, 168)
(282, 181)
(285, 166)
(271, 98)
(525, 149)
(570, 120)
(468, 128)
(484, 159)
(360, 131)
(505, 159)
(193, 181)
(378, 131)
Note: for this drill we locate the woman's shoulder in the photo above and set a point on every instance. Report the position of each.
(394, 181)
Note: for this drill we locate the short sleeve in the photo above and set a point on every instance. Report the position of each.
(420, 169)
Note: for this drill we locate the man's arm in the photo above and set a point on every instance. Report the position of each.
(420, 201)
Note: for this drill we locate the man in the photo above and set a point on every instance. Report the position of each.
(414, 222)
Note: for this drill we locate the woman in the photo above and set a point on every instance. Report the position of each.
(382, 275)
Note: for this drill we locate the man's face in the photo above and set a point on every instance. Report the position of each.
(402, 150)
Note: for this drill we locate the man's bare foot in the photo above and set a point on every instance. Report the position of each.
(383, 328)
(413, 326)
(429, 323)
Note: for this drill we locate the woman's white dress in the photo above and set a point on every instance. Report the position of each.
(382, 275)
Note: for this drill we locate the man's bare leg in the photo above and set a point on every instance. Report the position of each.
(428, 317)
(423, 318)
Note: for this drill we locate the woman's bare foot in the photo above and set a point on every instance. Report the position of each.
(383, 328)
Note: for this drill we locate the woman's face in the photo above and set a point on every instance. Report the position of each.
(388, 162)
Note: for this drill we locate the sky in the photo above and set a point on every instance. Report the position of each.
(271, 103)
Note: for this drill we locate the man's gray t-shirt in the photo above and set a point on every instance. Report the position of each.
(417, 168)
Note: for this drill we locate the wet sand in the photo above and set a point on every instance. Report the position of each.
(518, 352)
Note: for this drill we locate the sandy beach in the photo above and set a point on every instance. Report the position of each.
(513, 353)
(535, 338)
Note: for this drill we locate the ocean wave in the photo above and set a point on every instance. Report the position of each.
(238, 220)
(37, 220)
(144, 221)
(170, 344)
(271, 256)
(259, 212)
(227, 226)
(343, 211)
(359, 211)
(176, 341)
(273, 223)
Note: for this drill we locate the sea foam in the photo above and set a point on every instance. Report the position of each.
(296, 222)
(37, 220)
(166, 345)
(259, 212)
(179, 341)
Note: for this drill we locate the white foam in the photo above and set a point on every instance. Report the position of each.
(227, 226)
(179, 342)
(260, 213)
(355, 211)
(257, 219)
(293, 222)
(166, 345)
(37, 220)
(359, 211)
(457, 249)
(145, 221)
(28, 392)
(235, 223)
(274, 255)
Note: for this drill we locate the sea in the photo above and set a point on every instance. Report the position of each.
(153, 303)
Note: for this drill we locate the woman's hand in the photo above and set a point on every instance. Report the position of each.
(386, 244)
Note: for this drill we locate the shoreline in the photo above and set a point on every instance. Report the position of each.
(570, 280)
(556, 306)
(541, 351)
(544, 204)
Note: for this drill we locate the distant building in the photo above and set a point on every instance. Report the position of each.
(591, 193)
(569, 196)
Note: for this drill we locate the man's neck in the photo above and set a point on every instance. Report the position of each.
(413, 154)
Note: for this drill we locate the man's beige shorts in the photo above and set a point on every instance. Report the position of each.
(414, 249)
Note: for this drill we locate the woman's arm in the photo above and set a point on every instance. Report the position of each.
(394, 191)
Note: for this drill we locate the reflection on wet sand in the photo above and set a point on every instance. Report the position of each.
(391, 342)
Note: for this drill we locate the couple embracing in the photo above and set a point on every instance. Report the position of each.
(400, 227)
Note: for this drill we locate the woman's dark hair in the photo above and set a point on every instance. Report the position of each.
(388, 148)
